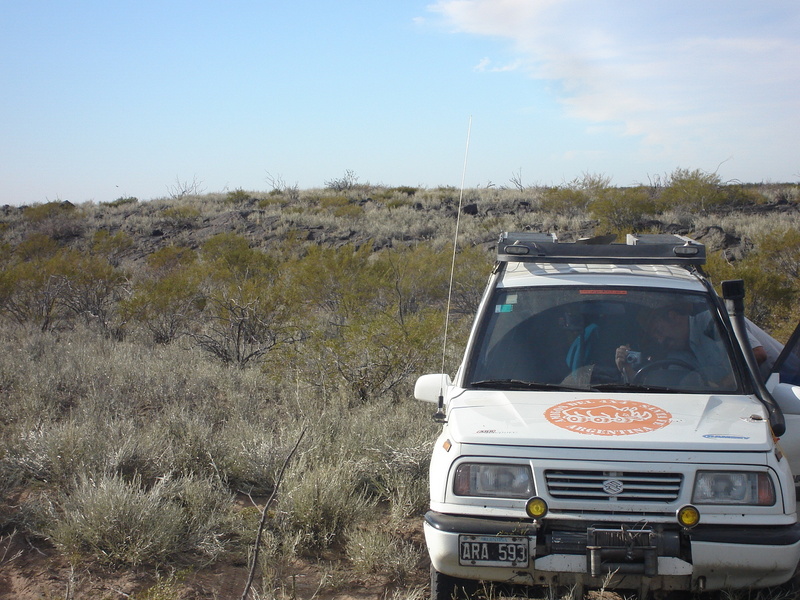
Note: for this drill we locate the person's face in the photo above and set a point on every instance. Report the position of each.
(671, 330)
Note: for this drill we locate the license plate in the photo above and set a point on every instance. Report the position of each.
(493, 551)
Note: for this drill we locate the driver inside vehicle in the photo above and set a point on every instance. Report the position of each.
(680, 345)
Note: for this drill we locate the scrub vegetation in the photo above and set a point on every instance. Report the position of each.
(159, 360)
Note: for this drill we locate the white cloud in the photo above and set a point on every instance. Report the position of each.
(485, 65)
(676, 74)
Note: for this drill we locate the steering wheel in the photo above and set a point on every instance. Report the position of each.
(660, 365)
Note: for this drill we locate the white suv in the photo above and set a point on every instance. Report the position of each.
(608, 427)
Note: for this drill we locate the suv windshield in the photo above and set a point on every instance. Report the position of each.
(602, 338)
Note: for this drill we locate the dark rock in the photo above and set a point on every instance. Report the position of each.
(716, 238)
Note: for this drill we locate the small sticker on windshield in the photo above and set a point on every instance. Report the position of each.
(504, 308)
(511, 299)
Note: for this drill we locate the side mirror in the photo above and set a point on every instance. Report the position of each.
(430, 387)
(733, 289)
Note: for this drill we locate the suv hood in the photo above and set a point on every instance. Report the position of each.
(601, 420)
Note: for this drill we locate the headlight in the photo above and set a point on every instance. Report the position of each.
(734, 487)
(499, 481)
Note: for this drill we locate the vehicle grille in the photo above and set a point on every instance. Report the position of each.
(614, 487)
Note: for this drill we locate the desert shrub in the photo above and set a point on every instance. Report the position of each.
(165, 298)
(404, 189)
(92, 289)
(33, 280)
(229, 257)
(45, 284)
(166, 587)
(180, 217)
(61, 221)
(374, 315)
(112, 247)
(120, 522)
(238, 196)
(346, 182)
(244, 323)
(60, 452)
(395, 197)
(42, 212)
(564, 200)
(254, 454)
(322, 502)
(783, 249)
(190, 444)
(622, 210)
(770, 274)
(738, 195)
(393, 203)
(692, 190)
(398, 474)
(235, 306)
(341, 207)
(780, 193)
(575, 197)
(121, 201)
(164, 306)
(376, 551)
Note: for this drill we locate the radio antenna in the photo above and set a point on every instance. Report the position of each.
(439, 415)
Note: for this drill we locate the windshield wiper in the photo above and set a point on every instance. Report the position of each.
(630, 387)
(519, 384)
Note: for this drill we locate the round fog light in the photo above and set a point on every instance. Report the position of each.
(688, 516)
(536, 508)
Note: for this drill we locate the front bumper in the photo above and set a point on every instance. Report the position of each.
(705, 558)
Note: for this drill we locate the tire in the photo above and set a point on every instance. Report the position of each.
(447, 587)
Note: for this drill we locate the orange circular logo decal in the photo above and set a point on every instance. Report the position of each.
(599, 416)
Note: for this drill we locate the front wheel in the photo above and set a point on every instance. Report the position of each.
(447, 587)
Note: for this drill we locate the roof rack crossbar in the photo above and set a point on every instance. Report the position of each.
(653, 249)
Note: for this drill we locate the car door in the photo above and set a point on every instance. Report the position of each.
(784, 384)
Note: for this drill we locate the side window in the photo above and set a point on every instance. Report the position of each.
(788, 363)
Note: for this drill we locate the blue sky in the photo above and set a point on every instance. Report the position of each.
(108, 99)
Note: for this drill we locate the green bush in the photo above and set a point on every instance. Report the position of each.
(49, 210)
(180, 217)
(374, 314)
(33, 288)
(622, 210)
(166, 297)
(121, 201)
(771, 274)
(692, 190)
(112, 247)
(340, 207)
(575, 197)
(238, 196)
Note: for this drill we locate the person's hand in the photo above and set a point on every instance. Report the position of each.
(621, 357)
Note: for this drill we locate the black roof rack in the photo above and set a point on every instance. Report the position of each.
(646, 249)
